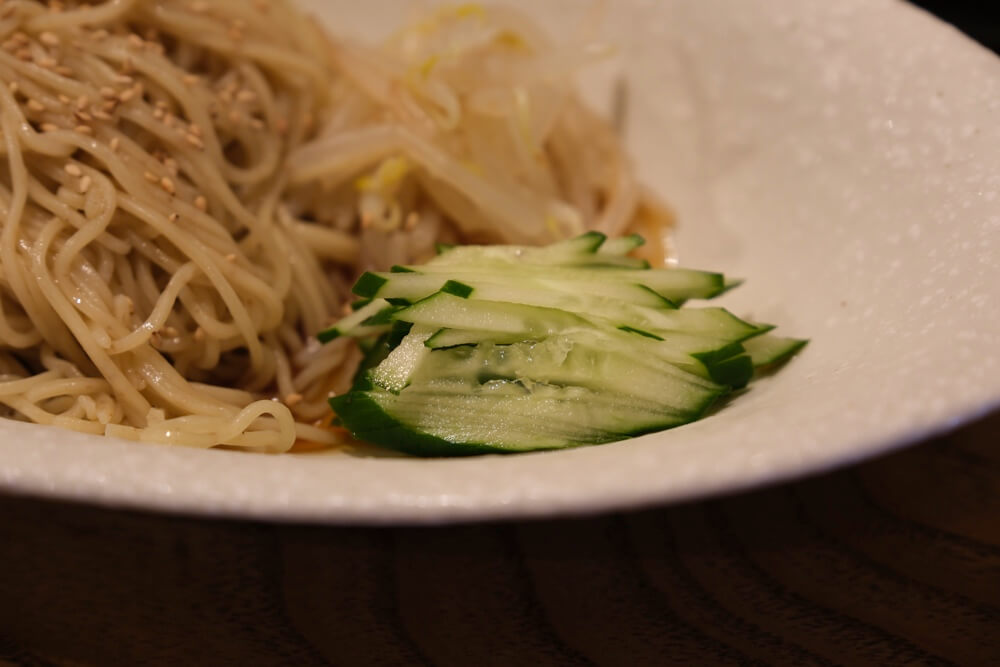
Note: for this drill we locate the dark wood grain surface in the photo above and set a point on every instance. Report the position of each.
(894, 561)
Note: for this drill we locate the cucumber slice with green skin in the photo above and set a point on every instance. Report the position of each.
(735, 371)
(444, 310)
(672, 284)
(621, 246)
(694, 354)
(767, 349)
(507, 349)
(532, 293)
(398, 367)
(452, 417)
(414, 286)
(356, 323)
(558, 360)
(454, 337)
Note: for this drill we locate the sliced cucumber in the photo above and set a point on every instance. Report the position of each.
(453, 417)
(564, 360)
(509, 348)
(360, 322)
(443, 310)
(398, 367)
(622, 245)
(413, 286)
(672, 284)
(695, 354)
(767, 349)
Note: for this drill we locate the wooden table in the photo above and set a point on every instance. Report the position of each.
(895, 561)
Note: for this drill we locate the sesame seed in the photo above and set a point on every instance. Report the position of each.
(84, 129)
(100, 113)
(23, 54)
(114, 143)
(231, 257)
(199, 7)
(82, 102)
(151, 177)
(246, 95)
(63, 70)
(108, 92)
(411, 221)
(72, 169)
(171, 331)
(201, 203)
(174, 217)
(168, 185)
(194, 141)
(199, 334)
(293, 399)
(123, 78)
(191, 79)
(50, 127)
(234, 117)
(85, 183)
(13, 87)
(136, 41)
(83, 116)
(158, 113)
(49, 39)
(127, 66)
(48, 62)
(64, 99)
(99, 34)
(35, 105)
(126, 95)
(195, 129)
(257, 124)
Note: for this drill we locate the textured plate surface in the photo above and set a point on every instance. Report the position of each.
(843, 157)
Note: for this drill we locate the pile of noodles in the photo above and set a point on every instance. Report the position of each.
(188, 188)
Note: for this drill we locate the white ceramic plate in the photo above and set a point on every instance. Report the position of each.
(844, 157)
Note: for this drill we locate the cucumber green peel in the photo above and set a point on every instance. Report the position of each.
(499, 349)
